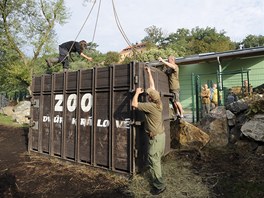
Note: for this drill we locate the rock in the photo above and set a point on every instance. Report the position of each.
(8, 111)
(234, 134)
(241, 119)
(21, 111)
(215, 125)
(231, 118)
(238, 106)
(254, 128)
(191, 137)
(260, 150)
(259, 116)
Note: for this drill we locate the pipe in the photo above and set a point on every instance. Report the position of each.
(220, 73)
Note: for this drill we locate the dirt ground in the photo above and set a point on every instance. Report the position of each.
(223, 172)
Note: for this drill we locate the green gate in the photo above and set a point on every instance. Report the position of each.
(224, 80)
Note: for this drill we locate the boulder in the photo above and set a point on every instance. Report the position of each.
(215, 125)
(241, 119)
(238, 106)
(254, 128)
(234, 134)
(21, 111)
(231, 118)
(8, 110)
(191, 137)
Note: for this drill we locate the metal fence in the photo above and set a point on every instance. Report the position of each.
(226, 81)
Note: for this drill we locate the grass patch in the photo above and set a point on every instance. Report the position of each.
(8, 121)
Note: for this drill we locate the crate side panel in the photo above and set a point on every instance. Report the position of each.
(72, 80)
(35, 119)
(86, 77)
(168, 138)
(122, 130)
(58, 81)
(46, 122)
(102, 76)
(47, 86)
(102, 129)
(36, 84)
(70, 119)
(122, 76)
(86, 122)
(57, 121)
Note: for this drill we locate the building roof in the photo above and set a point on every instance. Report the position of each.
(136, 46)
(214, 56)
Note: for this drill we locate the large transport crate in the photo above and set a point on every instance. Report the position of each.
(86, 116)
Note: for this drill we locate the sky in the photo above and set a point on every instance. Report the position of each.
(238, 18)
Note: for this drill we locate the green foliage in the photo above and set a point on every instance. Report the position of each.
(81, 63)
(198, 40)
(155, 35)
(256, 106)
(178, 41)
(7, 121)
(151, 54)
(26, 24)
(77, 65)
(253, 41)
(154, 53)
(111, 58)
(98, 58)
(128, 60)
(75, 60)
(209, 40)
(13, 77)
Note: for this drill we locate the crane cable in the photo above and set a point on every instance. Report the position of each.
(97, 17)
(118, 25)
(80, 31)
(123, 32)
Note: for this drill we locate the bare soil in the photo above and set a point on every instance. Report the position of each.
(223, 172)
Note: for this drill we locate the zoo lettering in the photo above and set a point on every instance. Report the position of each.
(86, 104)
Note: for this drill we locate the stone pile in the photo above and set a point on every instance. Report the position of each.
(224, 125)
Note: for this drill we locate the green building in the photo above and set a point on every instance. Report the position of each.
(227, 69)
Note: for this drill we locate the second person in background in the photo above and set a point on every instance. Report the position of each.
(174, 82)
(205, 94)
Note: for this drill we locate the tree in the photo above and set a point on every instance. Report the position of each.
(209, 40)
(178, 41)
(253, 41)
(28, 24)
(112, 58)
(98, 60)
(186, 42)
(154, 36)
(154, 53)
(197, 40)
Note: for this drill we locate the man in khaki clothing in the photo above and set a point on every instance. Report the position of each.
(174, 83)
(205, 94)
(155, 129)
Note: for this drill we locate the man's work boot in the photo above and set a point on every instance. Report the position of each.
(51, 61)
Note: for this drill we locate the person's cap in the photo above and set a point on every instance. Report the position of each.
(154, 94)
